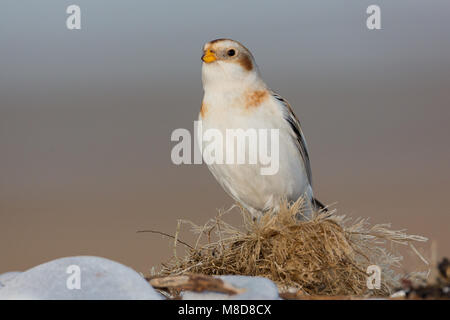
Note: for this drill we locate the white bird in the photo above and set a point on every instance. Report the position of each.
(236, 97)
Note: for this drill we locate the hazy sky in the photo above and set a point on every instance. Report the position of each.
(86, 116)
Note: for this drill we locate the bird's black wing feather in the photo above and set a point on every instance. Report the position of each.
(294, 123)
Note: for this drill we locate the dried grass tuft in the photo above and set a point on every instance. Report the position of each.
(326, 254)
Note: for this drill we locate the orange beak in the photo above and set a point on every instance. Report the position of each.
(209, 56)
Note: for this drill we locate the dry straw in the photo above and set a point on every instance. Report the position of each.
(326, 254)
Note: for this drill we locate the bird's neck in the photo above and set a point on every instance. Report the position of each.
(233, 88)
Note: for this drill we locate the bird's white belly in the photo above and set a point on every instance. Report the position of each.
(244, 182)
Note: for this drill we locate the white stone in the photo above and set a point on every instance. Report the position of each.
(99, 279)
(257, 288)
(4, 277)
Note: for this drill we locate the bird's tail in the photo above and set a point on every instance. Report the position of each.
(319, 206)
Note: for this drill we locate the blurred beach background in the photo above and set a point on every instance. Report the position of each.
(86, 117)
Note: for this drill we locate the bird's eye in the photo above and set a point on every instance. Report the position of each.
(231, 52)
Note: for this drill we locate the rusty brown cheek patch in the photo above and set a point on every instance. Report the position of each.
(246, 62)
(255, 98)
(203, 109)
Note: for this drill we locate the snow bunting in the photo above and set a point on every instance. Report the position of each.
(235, 97)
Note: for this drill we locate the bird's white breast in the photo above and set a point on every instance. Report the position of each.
(244, 182)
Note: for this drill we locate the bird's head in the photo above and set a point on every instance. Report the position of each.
(227, 62)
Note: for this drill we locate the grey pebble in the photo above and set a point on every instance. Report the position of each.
(257, 288)
(100, 278)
